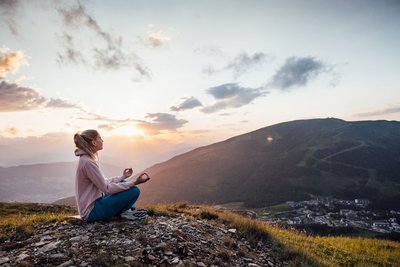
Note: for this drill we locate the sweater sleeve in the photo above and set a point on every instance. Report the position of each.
(107, 186)
(115, 179)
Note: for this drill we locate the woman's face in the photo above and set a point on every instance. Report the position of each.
(98, 143)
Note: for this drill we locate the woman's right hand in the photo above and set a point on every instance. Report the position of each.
(144, 177)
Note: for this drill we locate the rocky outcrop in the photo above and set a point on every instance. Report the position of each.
(157, 241)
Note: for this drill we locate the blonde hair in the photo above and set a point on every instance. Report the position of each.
(83, 140)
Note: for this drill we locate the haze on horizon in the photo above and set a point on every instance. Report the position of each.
(160, 77)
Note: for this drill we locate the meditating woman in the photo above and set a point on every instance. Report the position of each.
(99, 198)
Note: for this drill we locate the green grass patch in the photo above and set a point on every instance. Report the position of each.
(278, 208)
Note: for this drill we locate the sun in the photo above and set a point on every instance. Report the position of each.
(129, 131)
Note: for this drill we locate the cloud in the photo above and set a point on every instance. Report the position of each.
(244, 62)
(157, 38)
(10, 61)
(209, 70)
(160, 122)
(154, 123)
(15, 98)
(385, 111)
(231, 95)
(71, 54)
(240, 65)
(188, 103)
(297, 71)
(8, 13)
(11, 131)
(106, 53)
(97, 117)
(210, 50)
(60, 103)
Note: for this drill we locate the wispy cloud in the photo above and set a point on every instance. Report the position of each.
(91, 116)
(188, 103)
(297, 71)
(70, 54)
(244, 62)
(210, 50)
(107, 53)
(159, 122)
(8, 11)
(157, 38)
(240, 65)
(14, 98)
(11, 131)
(384, 111)
(61, 103)
(10, 61)
(231, 95)
(153, 124)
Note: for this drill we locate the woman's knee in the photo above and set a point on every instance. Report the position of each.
(135, 191)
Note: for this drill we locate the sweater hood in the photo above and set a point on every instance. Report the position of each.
(79, 152)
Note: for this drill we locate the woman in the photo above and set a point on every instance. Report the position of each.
(99, 198)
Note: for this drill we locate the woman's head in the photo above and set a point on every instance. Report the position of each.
(89, 141)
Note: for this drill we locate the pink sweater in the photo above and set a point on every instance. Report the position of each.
(90, 183)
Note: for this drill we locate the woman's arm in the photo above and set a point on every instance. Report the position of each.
(94, 173)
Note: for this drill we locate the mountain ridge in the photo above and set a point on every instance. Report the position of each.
(318, 156)
(42, 182)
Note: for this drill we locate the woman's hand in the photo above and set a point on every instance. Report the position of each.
(127, 173)
(144, 177)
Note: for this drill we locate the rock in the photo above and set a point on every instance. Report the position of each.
(168, 253)
(57, 255)
(49, 247)
(65, 264)
(129, 258)
(46, 237)
(162, 245)
(200, 264)
(151, 257)
(79, 238)
(174, 260)
(39, 244)
(232, 230)
(84, 264)
(270, 264)
(4, 260)
(253, 265)
(22, 257)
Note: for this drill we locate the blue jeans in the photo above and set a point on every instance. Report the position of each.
(111, 205)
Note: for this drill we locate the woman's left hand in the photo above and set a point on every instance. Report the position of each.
(127, 172)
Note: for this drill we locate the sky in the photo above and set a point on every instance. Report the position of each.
(157, 78)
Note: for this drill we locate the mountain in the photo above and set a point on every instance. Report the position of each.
(45, 182)
(287, 161)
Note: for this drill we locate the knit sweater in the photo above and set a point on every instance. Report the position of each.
(90, 183)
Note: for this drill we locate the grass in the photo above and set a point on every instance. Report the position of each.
(19, 220)
(297, 248)
(278, 208)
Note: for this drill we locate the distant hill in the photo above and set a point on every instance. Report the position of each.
(287, 161)
(42, 182)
